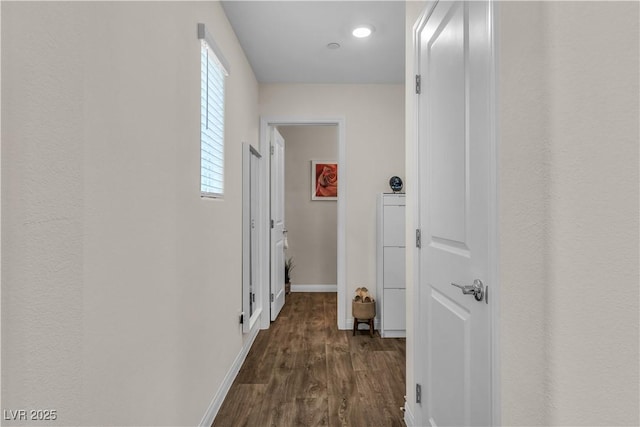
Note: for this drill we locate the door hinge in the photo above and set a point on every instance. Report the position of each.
(418, 393)
(418, 238)
(271, 150)
(272, 298)
(418, 85)
(241, 318)
(271, 223)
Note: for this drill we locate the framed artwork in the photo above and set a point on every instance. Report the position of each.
(324, 180)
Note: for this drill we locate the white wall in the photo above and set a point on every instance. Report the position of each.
(569, 213)
(374, 123)
(568, 176)
(42, 245)
(312, 224)
(523, 193)
(121, 286)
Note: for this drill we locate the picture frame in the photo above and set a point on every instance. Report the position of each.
(324, 180)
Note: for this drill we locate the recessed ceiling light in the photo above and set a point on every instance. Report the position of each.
(362, 31)
(333, 45)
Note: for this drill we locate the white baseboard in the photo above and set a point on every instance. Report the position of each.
(314, 288)
(395, 334)
(408, 416)
(220, 395)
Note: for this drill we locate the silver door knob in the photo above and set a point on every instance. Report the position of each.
(477, 289)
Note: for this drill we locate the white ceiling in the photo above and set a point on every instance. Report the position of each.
(286, 41)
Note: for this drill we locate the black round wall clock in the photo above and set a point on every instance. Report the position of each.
(395, 183)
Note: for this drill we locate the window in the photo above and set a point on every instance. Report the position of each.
(213, 72)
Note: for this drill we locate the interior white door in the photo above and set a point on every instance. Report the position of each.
(250, 236)
(277, 223)
(455, 148)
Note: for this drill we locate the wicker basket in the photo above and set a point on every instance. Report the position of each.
(363, 310)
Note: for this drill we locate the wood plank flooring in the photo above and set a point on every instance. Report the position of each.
(303, 371)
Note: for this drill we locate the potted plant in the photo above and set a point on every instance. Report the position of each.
(288, 267)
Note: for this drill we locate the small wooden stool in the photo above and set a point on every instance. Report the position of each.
(363, 312)
(369, 322)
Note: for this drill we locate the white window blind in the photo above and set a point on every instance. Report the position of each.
(212, 99)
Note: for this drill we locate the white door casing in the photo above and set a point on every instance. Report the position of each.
(255, 279)
(277, 223)
(454, 355)
(266, 123)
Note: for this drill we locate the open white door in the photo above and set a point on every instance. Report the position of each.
(277, 222)
(456, 204)
(251, 282)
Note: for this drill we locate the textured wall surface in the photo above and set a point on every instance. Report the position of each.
(121, 286)
(42, 199)
(593, 212)
(524, 183)
(312, 225)
(569, 213)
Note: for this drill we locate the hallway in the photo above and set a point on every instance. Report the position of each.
(303, 371)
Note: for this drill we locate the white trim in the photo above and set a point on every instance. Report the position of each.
(218, 399)
(408, 416)
(314, 288)
(265, 122)
(400, 333)
(419, 344)
(342, 226)
(246, 224)
(203, 34)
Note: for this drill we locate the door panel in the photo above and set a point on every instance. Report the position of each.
(454, 202)
(450, 335)
(277, 218)
(445, 65)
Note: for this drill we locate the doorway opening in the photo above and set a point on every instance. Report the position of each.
(310, 208)
(266, 124)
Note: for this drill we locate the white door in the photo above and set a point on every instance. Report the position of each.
(250, 236)
(277, 223)
(455, 146)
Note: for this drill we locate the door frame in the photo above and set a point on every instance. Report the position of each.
(265, 123)
(419, 347)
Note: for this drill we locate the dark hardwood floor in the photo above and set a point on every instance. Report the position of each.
(303, 371)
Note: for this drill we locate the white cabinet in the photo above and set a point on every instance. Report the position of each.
(391, 281)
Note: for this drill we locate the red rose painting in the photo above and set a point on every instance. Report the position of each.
(324, 180)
